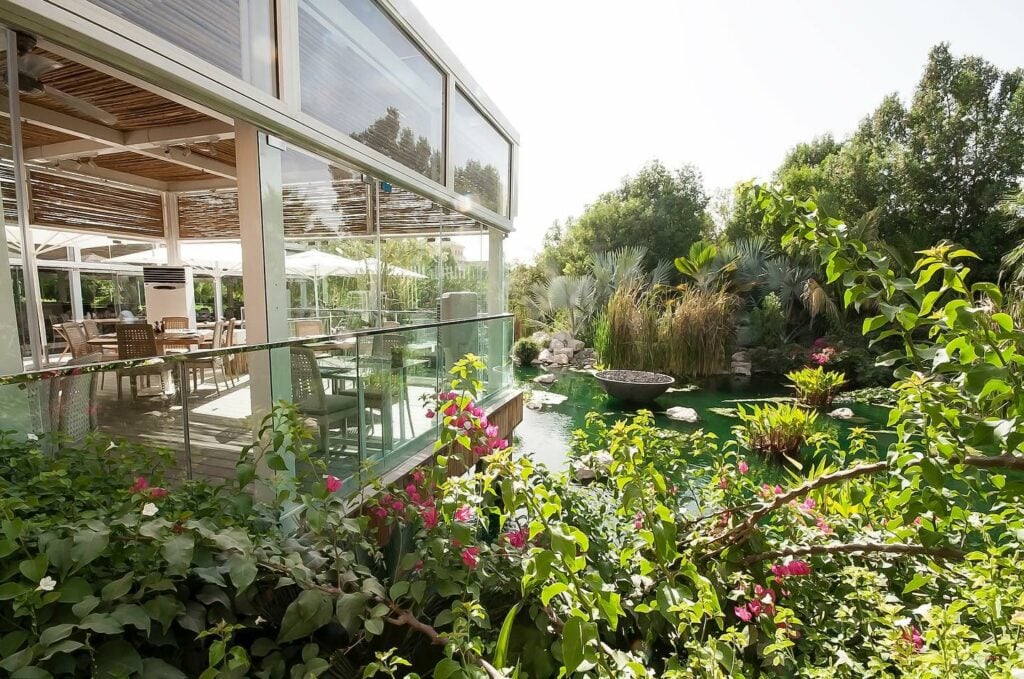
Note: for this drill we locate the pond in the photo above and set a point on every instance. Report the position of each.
(545, 434)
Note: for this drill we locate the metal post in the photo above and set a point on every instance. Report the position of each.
(33, 298)
(77, 305)
(169, 202)
(186, 437)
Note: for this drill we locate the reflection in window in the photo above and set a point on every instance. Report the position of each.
(235, 35)
(481, 157)
(363, 76)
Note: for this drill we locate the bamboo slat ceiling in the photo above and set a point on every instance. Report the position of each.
(151, 168)
(33, 135)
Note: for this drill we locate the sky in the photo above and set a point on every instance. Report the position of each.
(596, 89)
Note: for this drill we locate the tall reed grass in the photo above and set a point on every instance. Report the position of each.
(687, 335)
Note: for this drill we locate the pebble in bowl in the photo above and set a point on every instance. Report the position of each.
(634, 386)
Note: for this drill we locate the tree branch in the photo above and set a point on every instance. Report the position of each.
(995, 461)
(857, 547)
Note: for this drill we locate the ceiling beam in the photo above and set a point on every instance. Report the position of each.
(197, 185)
(153, 137)
(72, 167)
(173, 154)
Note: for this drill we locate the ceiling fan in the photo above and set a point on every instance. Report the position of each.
(32, 67)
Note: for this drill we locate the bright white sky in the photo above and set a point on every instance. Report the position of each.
(597, 88)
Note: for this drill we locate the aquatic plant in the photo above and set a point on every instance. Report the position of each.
(816, 387)
(776, 431)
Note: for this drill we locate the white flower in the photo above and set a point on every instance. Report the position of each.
(31, 437)
(149, 509)
(46, 584)
(260, 620)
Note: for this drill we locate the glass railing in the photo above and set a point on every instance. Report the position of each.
(362, 394)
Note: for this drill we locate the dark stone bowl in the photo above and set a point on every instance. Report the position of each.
(634, 386)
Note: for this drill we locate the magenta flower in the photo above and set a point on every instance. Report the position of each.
(743, 467)
(430, 517)
(517, 538)
(333, 484)
(638, 520)
(723, 483)
(464, 514)
(743, 614)
(157, 493)
(913, 637)
(765, 594)
(140, 485)
(823, 526)
(418, 566)
(430, 414)
(778, 489)
(754, 607)
(469, 556)
(799, 568)
(491, 431)
(418, 476)
(451, 410)
(808, 504)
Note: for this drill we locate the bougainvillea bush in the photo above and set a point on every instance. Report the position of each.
(865, 562)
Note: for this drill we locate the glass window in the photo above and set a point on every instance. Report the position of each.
(235, 35)
(362, 75)
(482, 157)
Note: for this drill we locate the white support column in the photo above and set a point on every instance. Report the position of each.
(288, 85)
(495, 272)
(218, 296)
(261, 216)
(33, 298)
(171, 228)
(75, 274)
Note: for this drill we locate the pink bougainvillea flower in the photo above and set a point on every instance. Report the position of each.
(491, 431)
(799, 568)
(723, 483)
(157, 493)
(778, 489)
(333, 484)
(483, 423)
(808, 504)
(469, 556)
(754, 607)
(380, 513)
(913, 637)
(517, 538)
(430, 414)
(765, 594)
(723, 520)
(918, 521)
(430, 517)
(140, 484)
(742, 613)
(451, 410)
(780, 570)
(638, 520)
(464, 514)
(418, 476)
(398, 506)
(743, 467)
(820, 343)
(418, 566)
(823, 526)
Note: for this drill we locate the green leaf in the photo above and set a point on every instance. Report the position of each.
(350, 610)
(917, 582)
(551, 591)
(178, 552)
(310, 611)
(35, 568)
(155, 668)
(501, 648)
(101, 623)
(118, 588)
(448, 669)
(242, 570)
(74, 590)
(89, 544)
(574, 643)
(374, 626)
(134, 615)
(117, 658)
(55, 633)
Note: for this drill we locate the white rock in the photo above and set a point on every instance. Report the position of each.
(559, 359)
(546, 378)
(841, 414)
(556, 344)
(741, 357)
(546, 398)
(562, 336)
(564, 351)
(576, 345)
(682, 414)
(740, 368)
(540, 337)
(545, 356)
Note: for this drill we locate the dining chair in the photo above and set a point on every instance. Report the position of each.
(329, 410)
(177, 323)
(308, 327)
(229, 341)
(73, 401)
(77, 340)
(212, 362)
(138, 341)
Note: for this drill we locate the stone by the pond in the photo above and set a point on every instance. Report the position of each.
(562, 336)
(545, 356)
(575, 345)
(546, 378)
(841, 414)
(590, 467)
(547, 398)
(725, 412)
(556, 344)
(559, 359)
(682, 414)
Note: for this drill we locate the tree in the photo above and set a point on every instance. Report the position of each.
(660, 209)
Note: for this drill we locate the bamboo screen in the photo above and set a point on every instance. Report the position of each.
(61, 202)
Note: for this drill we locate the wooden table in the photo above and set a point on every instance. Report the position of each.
(164, 340)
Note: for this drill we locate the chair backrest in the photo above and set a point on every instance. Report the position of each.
(136, 340)
(388, 345)
(91, 327)
(77, 339)
(73, 400)
(307, 385)
(177, 322)
(218, 335)
(309, 327)
(229, 333)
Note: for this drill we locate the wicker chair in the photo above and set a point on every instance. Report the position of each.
(136, 341)
(200, 365)
(308, 327)
(77, 340)
(73, 401)
(177, 323)
(390, 346)
(329, 410)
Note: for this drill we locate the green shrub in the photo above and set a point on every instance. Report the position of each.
(525, 351)
(776, 431)
(816, 387)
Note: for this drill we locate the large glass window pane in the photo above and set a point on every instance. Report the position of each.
(362, 75)
(235, 35)
(482, 157)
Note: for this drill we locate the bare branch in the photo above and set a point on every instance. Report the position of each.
(995, 461)
(857, 547)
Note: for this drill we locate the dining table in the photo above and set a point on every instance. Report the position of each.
(165, 340)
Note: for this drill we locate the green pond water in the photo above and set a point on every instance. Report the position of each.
(545, 434)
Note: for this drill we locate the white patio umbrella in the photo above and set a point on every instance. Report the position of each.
(316, 264)
(372, 264)
(219, 258)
